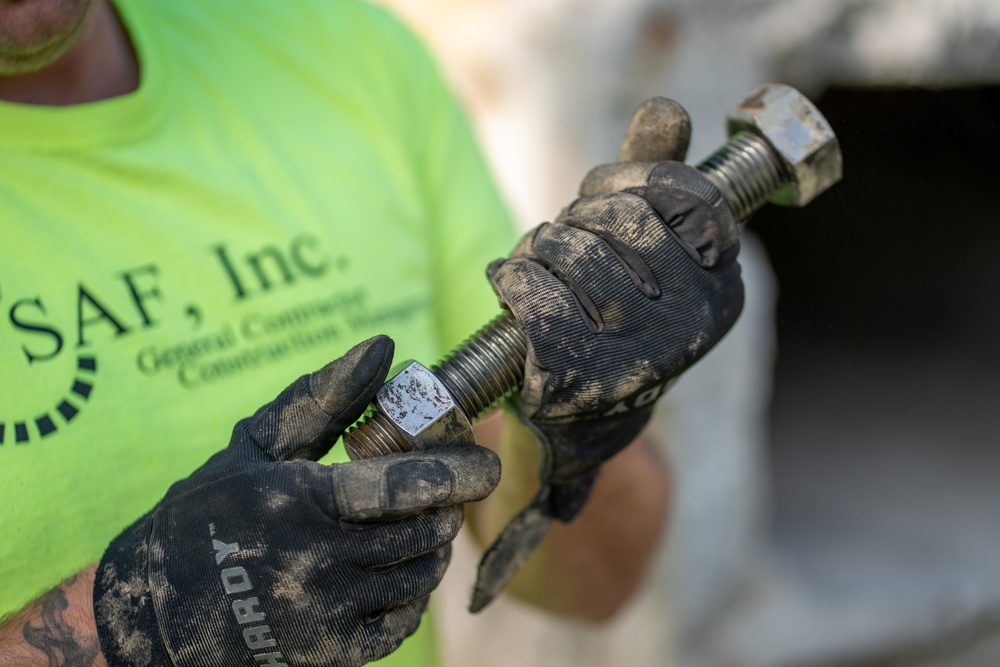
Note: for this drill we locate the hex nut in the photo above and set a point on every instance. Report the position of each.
(423, 410)
(800, 136)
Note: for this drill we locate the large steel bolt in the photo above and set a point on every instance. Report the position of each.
(780, 148)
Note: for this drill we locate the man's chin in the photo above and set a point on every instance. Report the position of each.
(36, 33)
(12, 64)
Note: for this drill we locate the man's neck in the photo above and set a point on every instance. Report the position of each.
(102, 64)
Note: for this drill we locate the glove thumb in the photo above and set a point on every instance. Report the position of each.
(660, 131)
(307, 417)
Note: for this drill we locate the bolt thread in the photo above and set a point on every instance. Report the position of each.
(486, 367)
(376, 435)
(747, 172)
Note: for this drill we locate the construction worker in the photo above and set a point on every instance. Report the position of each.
(202, 200)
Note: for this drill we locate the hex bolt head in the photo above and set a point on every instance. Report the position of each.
(799, 135)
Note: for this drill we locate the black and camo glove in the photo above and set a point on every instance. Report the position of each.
(263, 556)
(619, 295)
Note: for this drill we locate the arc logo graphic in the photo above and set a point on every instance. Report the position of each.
(48, 385)
(67, 406)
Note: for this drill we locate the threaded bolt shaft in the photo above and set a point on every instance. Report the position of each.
(747, 172)
(489, 365)
(377, 435)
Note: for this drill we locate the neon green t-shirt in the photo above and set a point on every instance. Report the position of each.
(288, 180)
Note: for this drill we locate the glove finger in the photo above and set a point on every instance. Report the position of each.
(521, 249)
(681, 220)
(385, 631)
(307, 417)
(616, 177)
(531, 292)
(602, 273)
(397, 485)
(337, 640)
(660, 130)
(397, 584)
(695, 209)
(389, 544)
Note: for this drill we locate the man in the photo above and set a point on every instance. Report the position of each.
(204, 198)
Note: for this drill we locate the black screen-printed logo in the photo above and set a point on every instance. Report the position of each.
(22, 430)
(44, 335)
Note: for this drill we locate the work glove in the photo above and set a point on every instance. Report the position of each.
(263, 556)
(631, 284)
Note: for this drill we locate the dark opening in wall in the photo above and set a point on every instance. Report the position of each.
(887, 398)
(903, 253)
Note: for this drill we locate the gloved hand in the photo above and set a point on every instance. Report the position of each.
(618, 296)
(621, 294)
(264, 555)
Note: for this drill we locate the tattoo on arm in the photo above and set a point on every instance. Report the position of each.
(55, 636)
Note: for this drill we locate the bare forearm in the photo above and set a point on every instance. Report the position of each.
(56, 629)
(589, 567)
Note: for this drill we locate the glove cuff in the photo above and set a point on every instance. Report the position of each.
(569, 470)
(567, 478)
(123, 606)
(519, 538)
(510, 550)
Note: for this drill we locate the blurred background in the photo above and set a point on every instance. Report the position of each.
(836, 458)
